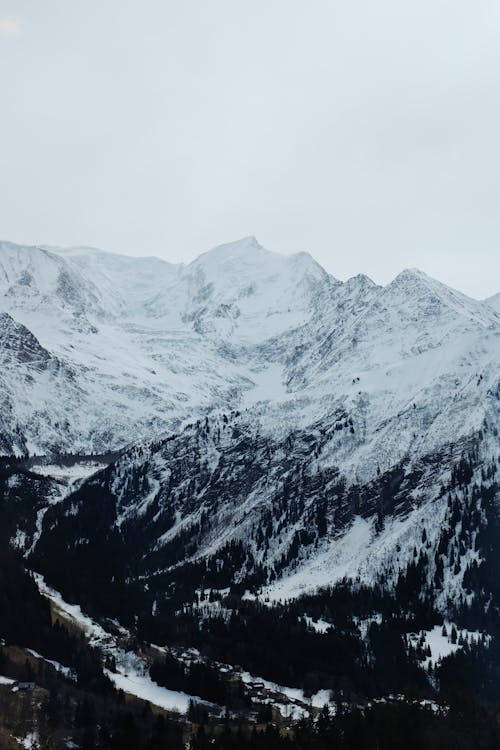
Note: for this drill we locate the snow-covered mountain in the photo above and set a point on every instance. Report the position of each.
(297, 477)
(136, 346)
(298, 427)
(143, 344)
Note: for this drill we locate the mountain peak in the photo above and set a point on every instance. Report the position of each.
(411, 274)
(412, 279)
(414, 289)
(244, 248)
(360, 280)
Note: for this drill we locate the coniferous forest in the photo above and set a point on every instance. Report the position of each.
(379, 692)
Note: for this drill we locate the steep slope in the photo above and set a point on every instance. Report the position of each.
(366, 402)
(35, 386)
(223, 504)
(494, 302)
(412, 363)
(148, 343)
(309, 486)
(340, 389)
(245, 293)
(38, 284)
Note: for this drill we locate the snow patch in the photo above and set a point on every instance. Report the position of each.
(131, 673)
(444, 640)
(66, 671)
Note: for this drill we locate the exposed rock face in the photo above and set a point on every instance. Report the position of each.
(285, 429)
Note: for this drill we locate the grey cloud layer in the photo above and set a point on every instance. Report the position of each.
(363, 132)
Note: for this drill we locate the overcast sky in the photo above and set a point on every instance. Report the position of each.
(364, 131)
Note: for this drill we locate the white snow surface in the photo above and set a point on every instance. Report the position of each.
(131, 673)
(441, 645)
(30, 742)
(361, 553)
(299, 702)
(66, 671)
(319, 626)
(127, 347)
(98, 350)
(141, 685)
(68, 474)
(339, 559)
(494, 302)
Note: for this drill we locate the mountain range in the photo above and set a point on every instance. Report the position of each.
(246, 436)
(240, 353)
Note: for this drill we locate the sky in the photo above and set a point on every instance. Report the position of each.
(365, 132)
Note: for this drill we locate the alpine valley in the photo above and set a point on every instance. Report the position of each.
(244, 504)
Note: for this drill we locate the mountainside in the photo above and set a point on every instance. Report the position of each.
(221, 504)
(295, 473)
(335, 384)
(143, 344)
(494, 302)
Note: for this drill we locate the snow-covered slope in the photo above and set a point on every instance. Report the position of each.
(135, 346)
(223, 504)
(295, 427)
(296, 475)
(412, 363)
(147, 343)
(494, 302)
(245, 292)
